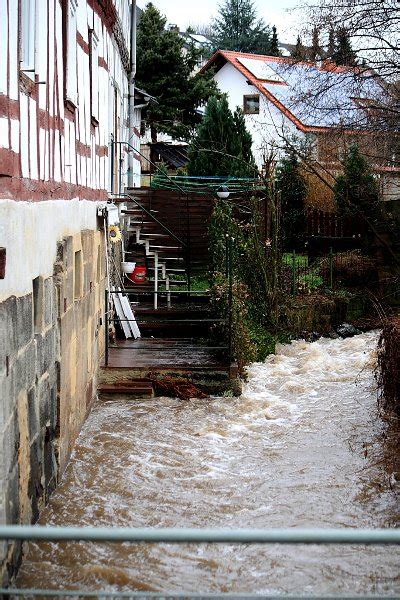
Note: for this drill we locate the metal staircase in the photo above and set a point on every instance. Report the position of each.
(162, 249)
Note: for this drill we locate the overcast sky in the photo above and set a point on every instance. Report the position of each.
(185, 12)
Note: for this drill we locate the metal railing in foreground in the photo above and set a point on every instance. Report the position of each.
(192, 536)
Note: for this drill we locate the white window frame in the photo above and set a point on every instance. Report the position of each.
(71, 79)
(28, 37)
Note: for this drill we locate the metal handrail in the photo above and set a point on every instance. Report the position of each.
(171, 535)
(192, 536)
(149, 214)
(99, 595)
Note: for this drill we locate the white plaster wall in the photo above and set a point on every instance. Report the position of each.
(30, 232)
(3, 46)
(3, 132)
(267, 126)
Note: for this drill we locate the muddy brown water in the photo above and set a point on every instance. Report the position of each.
(299, 448)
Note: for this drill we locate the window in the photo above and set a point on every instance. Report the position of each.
(94, 75)
(71, 84)
(27, 44)
(251, 104)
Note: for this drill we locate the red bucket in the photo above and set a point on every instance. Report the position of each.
(138, 275)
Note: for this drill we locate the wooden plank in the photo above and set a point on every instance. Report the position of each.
(117, 299)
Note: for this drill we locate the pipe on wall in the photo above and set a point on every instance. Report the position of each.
(131, 95)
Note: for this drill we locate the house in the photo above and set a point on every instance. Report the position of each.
(66, 98)
(322, 104)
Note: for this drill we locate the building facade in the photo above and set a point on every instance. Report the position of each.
(321, 104)
(64, 97)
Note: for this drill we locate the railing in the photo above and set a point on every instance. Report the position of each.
(224, 348)
(357, 537)
(302, 274)
(118, 145)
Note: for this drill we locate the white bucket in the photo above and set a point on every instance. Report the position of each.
(128, 267)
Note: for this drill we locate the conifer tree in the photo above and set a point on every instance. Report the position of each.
(356, 189)
(293, 189)
(298, 52)
(222, 145)
(165, 72)
(274, 47)
(331, 43)
(237, 28)
(315, 51)
(344, 54)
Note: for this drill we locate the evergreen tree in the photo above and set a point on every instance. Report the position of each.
(274, 47)
(356, 190)
(222, 144)
(315, 52)
(331, 44)
(298, 53)
(344, 54)
(237, 28)
(165, 72)
(291, 183)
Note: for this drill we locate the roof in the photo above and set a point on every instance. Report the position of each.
(292, 86)
(173, 154)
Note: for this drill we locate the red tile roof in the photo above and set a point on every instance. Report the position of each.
(232, 57)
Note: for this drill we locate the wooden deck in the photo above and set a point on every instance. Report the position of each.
(163, 354)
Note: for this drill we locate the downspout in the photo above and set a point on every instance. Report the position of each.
(131, 93)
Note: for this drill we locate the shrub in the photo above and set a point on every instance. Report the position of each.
(349, 268)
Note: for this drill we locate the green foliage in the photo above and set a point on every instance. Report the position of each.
(166, 73)
(331, 43)
(243, 349)
(299, 52)
(263, 340)
(293, 189)
(274, 45)
(316, 51)
(222, 144)
(356, 190)
(253, 281)
(344, 54)
(237, 28)
(222, 227)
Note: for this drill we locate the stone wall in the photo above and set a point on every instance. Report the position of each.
(50, 344)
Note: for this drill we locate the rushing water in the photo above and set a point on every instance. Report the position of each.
(298, 449)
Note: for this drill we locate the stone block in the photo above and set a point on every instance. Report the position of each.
(43, 392)
(47, 351)
(10, 443)
(25, 369)
(50, 465)
(35, 487)
(24, 321)
(68, 253)
(87, 240)
(7, 395)
(49, 302)
(87, 278)
(12, 496)
(8, 334)
(67, 290)
(33, 415)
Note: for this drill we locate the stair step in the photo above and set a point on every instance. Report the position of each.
(137, 389)
(168, 269)
(164, 247)
(158, 235)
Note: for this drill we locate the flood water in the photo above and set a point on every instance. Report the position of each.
(299, 448)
